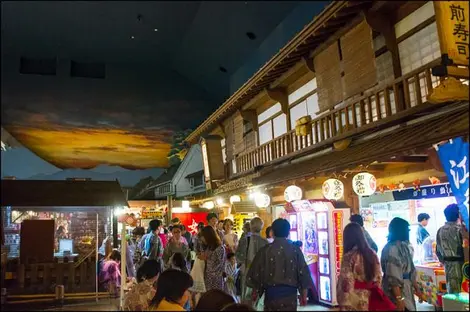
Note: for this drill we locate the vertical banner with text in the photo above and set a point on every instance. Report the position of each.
(454, 158)
(452, 26)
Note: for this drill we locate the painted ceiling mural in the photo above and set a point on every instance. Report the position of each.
(163, 75)
(81, 127)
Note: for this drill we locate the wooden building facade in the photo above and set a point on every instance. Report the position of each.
(358, 86)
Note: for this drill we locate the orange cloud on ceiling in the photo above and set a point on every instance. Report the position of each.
(84, 148)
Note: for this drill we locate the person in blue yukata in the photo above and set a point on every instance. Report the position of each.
(422, 233)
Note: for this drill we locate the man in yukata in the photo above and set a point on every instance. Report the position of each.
(449, 248)
(279, 271)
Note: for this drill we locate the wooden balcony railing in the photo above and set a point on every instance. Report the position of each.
(376, 105)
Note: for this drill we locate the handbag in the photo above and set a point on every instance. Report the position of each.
(197, 273)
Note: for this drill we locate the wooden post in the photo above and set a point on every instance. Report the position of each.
(96, 259)
(123, 264)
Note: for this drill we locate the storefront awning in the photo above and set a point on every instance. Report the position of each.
(406, 137)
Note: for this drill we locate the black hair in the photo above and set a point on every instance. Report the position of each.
(357, 218)
(179, 227)
(281, 228)
(268, 230)
(201, 225)
(214, 300)
(423, 216)
(398, 230)
(114, 255)
(149, 230)
(211, 215)
(221, 221)
(178, 260)
(183, 228)
(155, 224)
(230, 255)
(171, 285)
(149, 269)
(138, 231)
(452, 213)
(238, 307)
(165, 231)
(175, 220)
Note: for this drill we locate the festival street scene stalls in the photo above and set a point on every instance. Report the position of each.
(360, 117)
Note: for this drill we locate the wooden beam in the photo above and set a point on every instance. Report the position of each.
(250, 116)
(308, 62)
(280, 95)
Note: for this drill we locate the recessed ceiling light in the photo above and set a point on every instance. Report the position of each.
(132, 37)
(251, 35)
(156, 29)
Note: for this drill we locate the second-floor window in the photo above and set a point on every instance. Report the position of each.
(304, 101)
(272, 124)
(196, 181)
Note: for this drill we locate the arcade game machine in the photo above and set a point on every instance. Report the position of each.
(319, 225)
(459, 302)
(430, 274)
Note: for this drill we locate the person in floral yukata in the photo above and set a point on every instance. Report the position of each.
(359, 283)
(399, 280)
(214, 256)
(140, 295)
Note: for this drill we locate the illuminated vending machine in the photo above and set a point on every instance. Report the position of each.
(319, 225)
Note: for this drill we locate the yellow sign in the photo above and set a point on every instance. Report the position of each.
(452, 26)
(151, 215)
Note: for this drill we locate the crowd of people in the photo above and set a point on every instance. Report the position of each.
(214, 270)
(369, 284)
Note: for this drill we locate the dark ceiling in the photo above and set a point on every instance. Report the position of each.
(194, 38)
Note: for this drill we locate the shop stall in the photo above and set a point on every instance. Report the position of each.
(319, 225)
(242, 213)
(381, 207)
(430, 274)
(76, 214)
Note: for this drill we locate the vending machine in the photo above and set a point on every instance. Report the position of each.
(319, 225)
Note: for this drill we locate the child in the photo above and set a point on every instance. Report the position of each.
(231, 272)
(177, 262)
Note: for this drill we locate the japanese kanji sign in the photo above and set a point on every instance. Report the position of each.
(452, 26)
(454, 157)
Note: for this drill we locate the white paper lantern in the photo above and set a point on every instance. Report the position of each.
(333, 189)
(208, 205)
(364, 184)
(262, 200)
(235, 199)
(292, 193)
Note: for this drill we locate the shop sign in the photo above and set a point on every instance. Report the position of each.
(333, 189)
(454, 159)
(151, 214)
(292, 193)
(431, 191)
(338, 237)
(452, 25)
(364, 184)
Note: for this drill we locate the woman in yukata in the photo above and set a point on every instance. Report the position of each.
(399, 280)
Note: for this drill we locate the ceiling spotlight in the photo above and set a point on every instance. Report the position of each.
(251, 35)
(132, 37)
(156, 29)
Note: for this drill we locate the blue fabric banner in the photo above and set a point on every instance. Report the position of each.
(454, 159)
